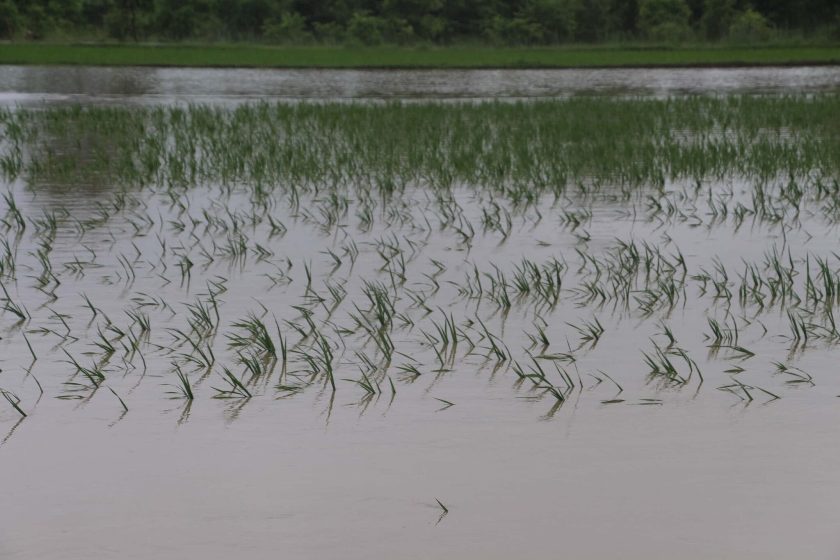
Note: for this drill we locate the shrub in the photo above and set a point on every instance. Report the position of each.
(432, 27)
(366, 29)
(9, 19)
(38, 22)
(717, 17)
(555, 19)
(750, 26)
(289, 28)
(513, 31)
(329, 32)
(664, 20)
(398, 30)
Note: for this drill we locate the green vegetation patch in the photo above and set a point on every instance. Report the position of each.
(392, 57)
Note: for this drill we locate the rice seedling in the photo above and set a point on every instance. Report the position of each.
(366, 384)
(122, 402)
(443, 507)
(29, 346)
(745, 392)
(446, 404)
(796, 375)
(233, 389)
(590, 331)
(13, 400)
(415, 242)
(94, 374)
(255, 338)
(183, 389)
(9, 305)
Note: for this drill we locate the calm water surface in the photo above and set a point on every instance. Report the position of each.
(25, 85)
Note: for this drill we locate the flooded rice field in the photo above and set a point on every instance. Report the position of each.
(592, 327)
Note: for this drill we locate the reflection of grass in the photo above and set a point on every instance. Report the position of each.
(396, 57)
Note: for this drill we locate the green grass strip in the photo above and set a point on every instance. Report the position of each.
(394, 57)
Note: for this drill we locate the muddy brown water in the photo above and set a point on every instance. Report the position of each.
(690, 472)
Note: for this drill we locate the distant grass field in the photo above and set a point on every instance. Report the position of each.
(396, 57)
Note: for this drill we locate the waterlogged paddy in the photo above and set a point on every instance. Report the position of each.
(592, 328)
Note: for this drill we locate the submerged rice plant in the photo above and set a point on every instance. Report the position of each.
(427, 245)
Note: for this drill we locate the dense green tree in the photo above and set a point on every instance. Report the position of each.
(593, 21)
(245, 18)
(179, 19)
(555, 19)
(127, 19)
(750, 26)
(717, 17)
(93, 13)
(289, 27)
(626, 15)
(469, 18)
(406, 21)
(38, 21)
(10, 19)
(664, 19)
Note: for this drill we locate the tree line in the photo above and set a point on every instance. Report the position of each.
(371, 22)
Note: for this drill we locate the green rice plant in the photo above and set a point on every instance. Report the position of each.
(797, 376)
(182, 389)
(202, 355)
(366, 384)
(662, 366)
(122, 402)
(722, 335)
(89, 304)
(326, 358)
(13, 218)
(536, 374)
(739, 352)
(95, 375)
(233, 389)
(446, 404)
(590, 331)
(539, 339)
(8, 260)
(9, 305)
(745, 392)
(800, 330)
(614, 382)
(639, 142)
(255, 337)
(140, 320)
(409, 371)
(668, 334)
(222, 196)
(29, 346)
(202, 317)
(13, 400)
(284, 353)
(496, 347)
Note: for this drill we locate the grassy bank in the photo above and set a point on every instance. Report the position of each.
(393, 57)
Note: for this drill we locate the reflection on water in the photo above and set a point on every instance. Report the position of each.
(38, 84)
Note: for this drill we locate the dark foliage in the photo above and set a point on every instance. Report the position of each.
(418, 21)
